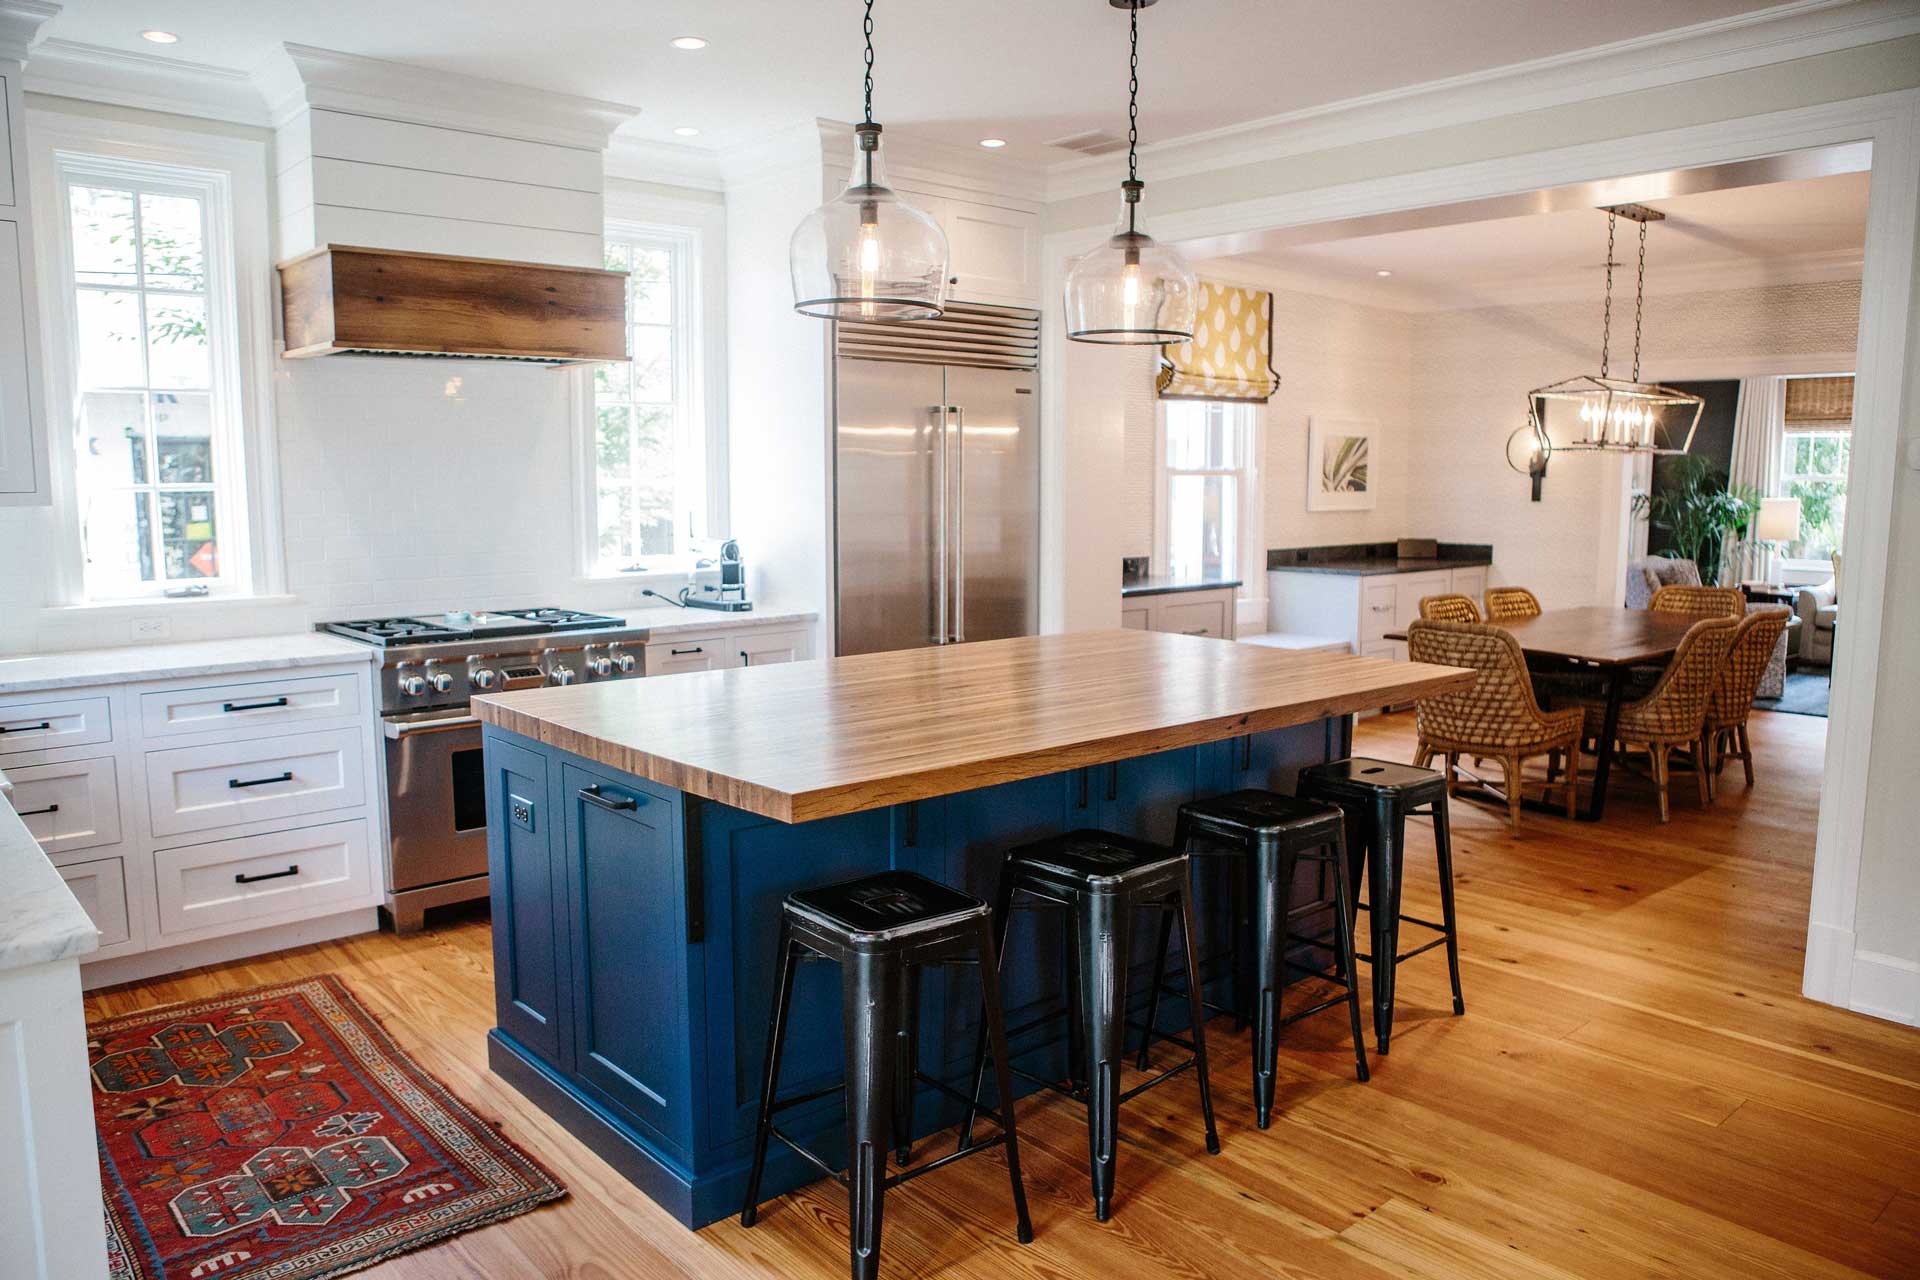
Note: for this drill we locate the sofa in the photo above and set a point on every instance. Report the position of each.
(1650, 573)
(1819, 610)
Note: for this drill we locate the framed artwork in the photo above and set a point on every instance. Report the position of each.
(1340, 458)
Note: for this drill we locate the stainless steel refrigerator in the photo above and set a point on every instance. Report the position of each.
(937, 479)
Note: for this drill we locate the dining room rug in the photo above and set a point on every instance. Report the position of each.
(279, 1131)
(1806, 694)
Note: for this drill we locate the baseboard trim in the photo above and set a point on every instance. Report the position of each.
(234, 946)
(1886, 987)
(1828, 973)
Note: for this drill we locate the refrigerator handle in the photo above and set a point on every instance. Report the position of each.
(959, 522)
(943, 628)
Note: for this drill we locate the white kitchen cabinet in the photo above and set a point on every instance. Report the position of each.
(731, 647)
(23, 461)
(1209, 612)
(68, 805)
(993, 251)
(60, 721)
(100, 887)
(223, 784)
(303, 871)
(1362, 609)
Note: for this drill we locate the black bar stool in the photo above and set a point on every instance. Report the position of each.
(882, 930)
(1100, 881)
(1268, 833)
(1378, 797)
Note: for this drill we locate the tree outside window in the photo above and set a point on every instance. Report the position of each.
(1815, 471)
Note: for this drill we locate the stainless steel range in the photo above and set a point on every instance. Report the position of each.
(436, 790)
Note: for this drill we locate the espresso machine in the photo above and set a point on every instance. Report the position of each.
(729, 595)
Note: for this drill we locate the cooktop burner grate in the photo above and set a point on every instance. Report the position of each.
(430, 628)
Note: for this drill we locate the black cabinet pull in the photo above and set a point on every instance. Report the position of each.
(292, 870)
(1113, 781)
(27, 728)
(1081, 803)
(28, 813)
(237, 783)
(681, 652)
(746, 659)
(618, 803)
(253, 706)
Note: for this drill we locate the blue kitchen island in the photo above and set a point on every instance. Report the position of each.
(643, 834)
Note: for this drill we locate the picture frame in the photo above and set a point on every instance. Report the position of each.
(1342, 462)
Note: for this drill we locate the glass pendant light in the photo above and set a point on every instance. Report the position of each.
(1131, 291)
(867, 254)
(1600, 413)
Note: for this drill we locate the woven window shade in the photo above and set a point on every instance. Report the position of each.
(1824, 403)
(1231, 354)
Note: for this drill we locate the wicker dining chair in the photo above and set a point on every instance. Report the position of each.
(1449, 608)
(1700, 602)
(1511, 602)
(1673, 713)
(1724, 734)
(1498, 718)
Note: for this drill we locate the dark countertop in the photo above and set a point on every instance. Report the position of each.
(1364, 566)
(1166, 584)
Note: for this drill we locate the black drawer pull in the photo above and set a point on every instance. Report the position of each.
(27, 728)
(618, 803)
(679, 652)
(253, 706)
(746, 659)
(237, 783)
(292, 870)
(28, 813)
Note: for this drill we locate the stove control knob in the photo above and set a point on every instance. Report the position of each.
(624, 664)
(483, 677)
(413, 686)
(561, 675)
(599, 666)
(440, 681)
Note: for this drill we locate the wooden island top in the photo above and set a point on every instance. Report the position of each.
(808, 740)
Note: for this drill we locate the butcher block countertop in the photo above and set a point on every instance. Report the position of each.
(807, 740)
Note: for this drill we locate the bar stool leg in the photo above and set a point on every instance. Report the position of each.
(1002, 922)
(1104, 945)
(1383, 885)
(1343, 939)
(1197, 1010)
(1443, 849)
(906, 1060)
(776, 1044)
(994, 1020)
(1159, 982)
(1271, 890)
(865, 981)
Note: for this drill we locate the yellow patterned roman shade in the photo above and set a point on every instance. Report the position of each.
(1231, 355)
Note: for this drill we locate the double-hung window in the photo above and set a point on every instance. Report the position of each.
(145, 254)
(1815, 450)
(1204, 486)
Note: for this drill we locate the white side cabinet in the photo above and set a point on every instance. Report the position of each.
(23, 461)
(1207, 612)
(728, 647)
(993, 249)
(1362, 608)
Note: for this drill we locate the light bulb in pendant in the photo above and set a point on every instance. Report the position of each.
(869, 261)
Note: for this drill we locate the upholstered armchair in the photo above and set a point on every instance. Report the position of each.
(1819, 610)
(1650, 573)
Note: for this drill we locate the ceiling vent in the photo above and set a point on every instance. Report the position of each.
(1094, 142)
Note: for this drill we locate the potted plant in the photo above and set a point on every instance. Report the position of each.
(1701, 514)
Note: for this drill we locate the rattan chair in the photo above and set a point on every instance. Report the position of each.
(1511, 602)
(1499, 717)
(1700, 602)
(1674, 712)
(1449, 608)
(1724, 734)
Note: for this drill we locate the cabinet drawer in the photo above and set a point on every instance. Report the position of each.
(1194, 618)
(690, 653)
(763, 648)
(68, 806)
(1136, 617)
(1470, 582)
(44, 726)
(229, 881)
(100, 887)
(1376, 610)
(255, 705)
(196, 788)
(1409, 589)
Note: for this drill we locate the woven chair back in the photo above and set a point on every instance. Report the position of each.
(1499, 710)
(1752, 649)
(1700, 602)
(1511, 602)
(1677, 706)
(1449, 608)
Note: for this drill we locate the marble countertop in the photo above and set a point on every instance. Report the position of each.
(664, 621)
(1366, 566)
(39, 919)
(124, 665)
(1163, 584)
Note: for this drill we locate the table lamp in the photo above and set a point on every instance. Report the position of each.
(1778, 522)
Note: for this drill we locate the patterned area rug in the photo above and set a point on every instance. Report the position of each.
(280, 1132)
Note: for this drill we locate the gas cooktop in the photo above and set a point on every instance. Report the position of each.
(428, 628)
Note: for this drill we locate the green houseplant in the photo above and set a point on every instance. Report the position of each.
(1701, 514)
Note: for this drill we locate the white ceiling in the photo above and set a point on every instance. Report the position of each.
(1812, 228)
(1026, 70)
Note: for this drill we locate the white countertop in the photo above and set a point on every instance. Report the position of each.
(664, 622)
(39, 919)
(124, 665)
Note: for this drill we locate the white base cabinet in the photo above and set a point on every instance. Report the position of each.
(1362, 609)
(734, 646)
(1188, 613)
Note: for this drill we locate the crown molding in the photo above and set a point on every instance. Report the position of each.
(20, 23)
(149, 82)
(1780, 34)
(802, 147)
(647, 160)
(301, 77)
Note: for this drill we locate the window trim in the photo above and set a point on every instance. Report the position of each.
(697, 231)
(1793, 564)
(1248, 498)
(236, 170)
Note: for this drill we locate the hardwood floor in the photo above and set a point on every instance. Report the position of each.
(1637, 1089)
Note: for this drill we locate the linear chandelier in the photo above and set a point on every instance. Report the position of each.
(1596, 413)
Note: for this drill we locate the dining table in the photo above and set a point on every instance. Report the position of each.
(1610, 642)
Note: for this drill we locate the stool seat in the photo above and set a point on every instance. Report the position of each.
(1262, 813)
(885, 905)
(1363, 776)
(1095, 861)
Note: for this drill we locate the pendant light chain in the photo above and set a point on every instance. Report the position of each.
(1133, 94)
(867, 28)
(1639, 301)
(1606, 313)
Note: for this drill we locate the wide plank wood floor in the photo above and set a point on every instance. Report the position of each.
(1637, 1090)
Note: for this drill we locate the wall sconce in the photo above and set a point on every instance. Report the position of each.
(1528, 450)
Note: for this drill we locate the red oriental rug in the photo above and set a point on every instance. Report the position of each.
(280, 1132)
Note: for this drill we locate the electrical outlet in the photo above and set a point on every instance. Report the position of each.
(151, 628)
(520, 810)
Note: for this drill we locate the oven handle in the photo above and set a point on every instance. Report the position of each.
(397, 729)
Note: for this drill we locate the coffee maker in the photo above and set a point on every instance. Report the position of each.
(729, 595)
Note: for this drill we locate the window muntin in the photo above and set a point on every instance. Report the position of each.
(1206, 473)
(1814, 470)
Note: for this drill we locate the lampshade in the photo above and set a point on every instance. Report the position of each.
(866, 254)
(1131, 290)
(1778, 521)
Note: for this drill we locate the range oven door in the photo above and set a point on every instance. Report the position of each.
(436, 799)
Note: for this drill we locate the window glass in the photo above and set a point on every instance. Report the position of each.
(1206, 444)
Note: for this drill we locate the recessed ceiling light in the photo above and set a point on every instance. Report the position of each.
(1383, 273)
(993, 144)
(687, 131)
(688, 42)
(160, 37)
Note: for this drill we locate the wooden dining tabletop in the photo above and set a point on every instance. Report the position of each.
(1600, 634)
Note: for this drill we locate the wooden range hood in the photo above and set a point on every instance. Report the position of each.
(338, 299)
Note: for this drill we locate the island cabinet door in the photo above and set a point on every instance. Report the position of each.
(627, 912)
(529, 890)
(1271, 761)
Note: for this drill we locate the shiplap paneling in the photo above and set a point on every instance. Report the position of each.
(390, 229)
(358, 185)
(336, 135)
